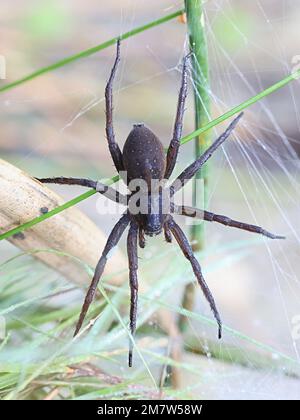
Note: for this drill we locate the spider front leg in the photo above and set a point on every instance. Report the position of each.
(175, 142)
(107, 191)
(192, 169)
(114, 149)
(132, 242)
(112, 241)
(188, 253)
(224, 220)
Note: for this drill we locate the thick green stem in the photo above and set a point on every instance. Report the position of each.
(200, 76)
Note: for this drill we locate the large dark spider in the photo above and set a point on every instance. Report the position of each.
(143, 158)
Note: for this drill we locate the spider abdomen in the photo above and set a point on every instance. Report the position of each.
(143, 155)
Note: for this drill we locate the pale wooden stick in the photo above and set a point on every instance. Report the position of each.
(70, 231)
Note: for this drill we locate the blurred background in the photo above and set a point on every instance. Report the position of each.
(54, 125)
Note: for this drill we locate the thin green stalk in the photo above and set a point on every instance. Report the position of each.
(200, 75)
(250, 359)
(184, 140)
(51, 213)
(90, 51)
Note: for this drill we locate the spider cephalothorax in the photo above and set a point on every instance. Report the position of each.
(145, 165)
(146, 170)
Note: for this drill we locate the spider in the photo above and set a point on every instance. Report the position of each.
(143, 159)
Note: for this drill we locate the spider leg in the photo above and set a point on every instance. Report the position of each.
(175, 142)
(188, 253)
(167, 233)
(112, 241)
(191, 170)
(69, 181)
(107, 191)
(224, 220)
(114, 149)
(142, 240)
(133, 280)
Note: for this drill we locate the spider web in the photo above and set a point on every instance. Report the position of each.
(262, 164)
(255, 178)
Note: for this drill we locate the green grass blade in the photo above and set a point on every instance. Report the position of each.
(53, 212)
(90, 51)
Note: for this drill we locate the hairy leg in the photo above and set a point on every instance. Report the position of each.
(188, 253)
(167, 233)
(112, 241)
(114, 149)
(191, 170)
(132, 241)
(224, 220)
(107, 191)
(175, 142)
(142, 240)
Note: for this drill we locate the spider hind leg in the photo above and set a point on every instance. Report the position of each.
(112, 241)
(132, 242)
(188, 253)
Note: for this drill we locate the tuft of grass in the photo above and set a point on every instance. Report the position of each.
(39, 359)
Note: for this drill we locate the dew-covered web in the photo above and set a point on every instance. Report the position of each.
(255, 178)
(262, 164)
